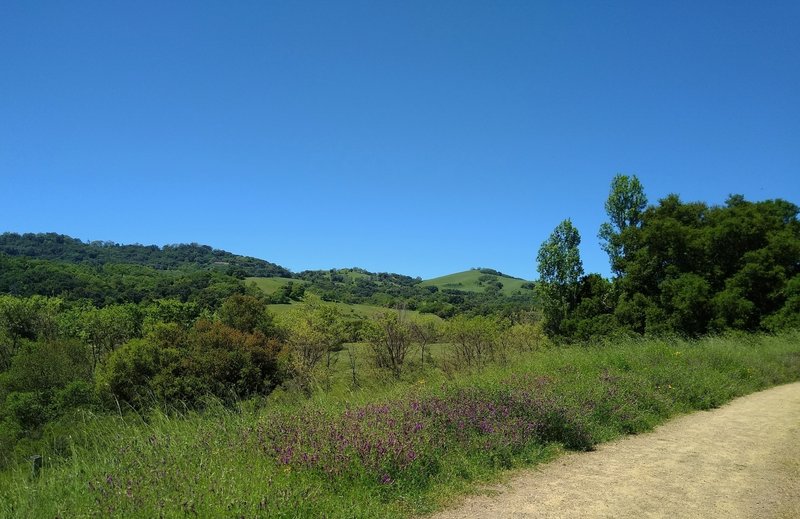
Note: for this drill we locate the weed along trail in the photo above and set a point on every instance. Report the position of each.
(739, 461)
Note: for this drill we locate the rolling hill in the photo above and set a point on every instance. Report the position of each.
(478, 280)
(106, 272)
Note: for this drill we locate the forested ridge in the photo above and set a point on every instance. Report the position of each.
(113, 283)
(59, 247)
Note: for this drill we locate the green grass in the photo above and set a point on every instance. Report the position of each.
(271, 285)
(336, 385)
(352, 310)
(211, 464)
(469, 281)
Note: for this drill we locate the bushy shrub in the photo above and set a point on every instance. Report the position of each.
(46, 380)
(173, 366)
(391, 338)
(247, 314)
(525, 337)
(476, 340)
(130, 371)
(48, 365)
(788, 316)
(29, 409)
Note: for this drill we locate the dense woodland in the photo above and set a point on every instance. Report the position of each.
(101, 326)
(52, 246)
(685, 268)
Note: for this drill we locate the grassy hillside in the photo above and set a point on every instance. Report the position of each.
(52, 264)
(476, 280)
(479, 291)
(271, 285)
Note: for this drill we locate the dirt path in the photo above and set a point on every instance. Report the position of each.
(739, 461)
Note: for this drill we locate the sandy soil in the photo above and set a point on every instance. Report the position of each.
(739, 461)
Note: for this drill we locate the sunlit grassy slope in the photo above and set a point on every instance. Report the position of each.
(470, 281)
(354, 310)
(271, 285)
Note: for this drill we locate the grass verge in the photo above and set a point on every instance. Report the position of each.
(394, 453)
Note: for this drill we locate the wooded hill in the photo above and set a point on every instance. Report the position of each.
(51, 264)
(58, 247)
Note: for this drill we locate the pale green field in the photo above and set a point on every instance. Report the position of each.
(354, 310)
(468, 282)
(271, 285)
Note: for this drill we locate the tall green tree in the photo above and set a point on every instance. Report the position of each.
(560, 269)
(107, 328)
(314, 331)
(695, 268)
(625, 206)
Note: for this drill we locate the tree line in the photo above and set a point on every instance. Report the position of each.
(58, 247)
(678, 267)
(113, 283)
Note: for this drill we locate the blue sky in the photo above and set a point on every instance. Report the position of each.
(407, 136)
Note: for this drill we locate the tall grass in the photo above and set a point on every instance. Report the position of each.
(390, 452)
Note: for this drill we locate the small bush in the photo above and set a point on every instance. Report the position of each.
(476, 340)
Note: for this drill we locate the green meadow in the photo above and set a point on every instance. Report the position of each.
(273, 456)
(355, 310)
(271, 285)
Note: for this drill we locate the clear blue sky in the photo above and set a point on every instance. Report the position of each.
(420, 137)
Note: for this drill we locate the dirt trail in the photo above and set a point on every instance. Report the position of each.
(739, 461)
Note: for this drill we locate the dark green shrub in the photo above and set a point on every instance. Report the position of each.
(48, 366)
(177, 367)
(30, 409)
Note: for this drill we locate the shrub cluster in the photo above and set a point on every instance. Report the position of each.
(172, 366)
(402, 438)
